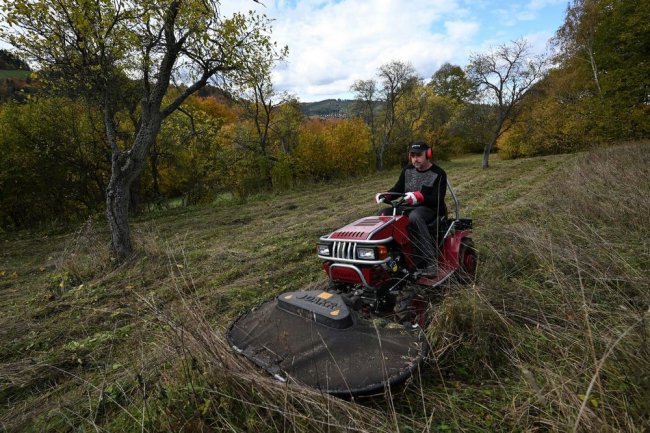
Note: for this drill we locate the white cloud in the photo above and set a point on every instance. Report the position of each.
(332, 43)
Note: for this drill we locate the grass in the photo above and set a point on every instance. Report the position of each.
(20, 74)
(552, 337)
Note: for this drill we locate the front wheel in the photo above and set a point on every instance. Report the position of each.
(467, 261)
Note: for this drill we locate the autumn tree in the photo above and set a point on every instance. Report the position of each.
(409, 120)
(54, 163)
(125, 55)
(260, 103)
(576, 37)
(451, 81)
(599, 89)
(502, 77)
(379, 100)
(604, 45)
(287, 126)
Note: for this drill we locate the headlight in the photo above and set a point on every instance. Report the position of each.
(366, 253)
(324, 250)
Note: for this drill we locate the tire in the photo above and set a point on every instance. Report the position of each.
(410, 308)
(467, 261)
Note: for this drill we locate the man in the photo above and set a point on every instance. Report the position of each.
(424, 185)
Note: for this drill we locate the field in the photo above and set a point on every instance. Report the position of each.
(552, 337)
(14, 74)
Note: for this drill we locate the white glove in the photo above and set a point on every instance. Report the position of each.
(379, 198)
(410, 199)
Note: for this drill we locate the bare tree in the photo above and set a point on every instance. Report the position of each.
(395, 79)
(261, 103)
(366, 106)
(503, 76)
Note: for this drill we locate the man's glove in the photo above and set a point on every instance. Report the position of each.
(380, 198)
(413, 198)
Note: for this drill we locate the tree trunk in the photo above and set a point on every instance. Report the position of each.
(486, 153)
(125, 168)
(117, 212)
(134, 196)
(594, 70)
(497, 133)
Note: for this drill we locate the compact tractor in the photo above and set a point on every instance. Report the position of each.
(364, 330)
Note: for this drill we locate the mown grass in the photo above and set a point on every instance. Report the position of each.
(552, 337)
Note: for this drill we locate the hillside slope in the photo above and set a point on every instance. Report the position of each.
(552, 337)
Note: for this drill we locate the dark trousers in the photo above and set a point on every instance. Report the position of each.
(419, 218)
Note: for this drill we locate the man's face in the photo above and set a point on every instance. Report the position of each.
(419, 160)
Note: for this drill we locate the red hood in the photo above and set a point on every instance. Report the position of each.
(362, 229)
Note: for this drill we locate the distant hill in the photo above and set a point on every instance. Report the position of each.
(15, 73)
(327, 108)
(10, 61)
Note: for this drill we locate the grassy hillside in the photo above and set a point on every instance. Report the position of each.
(552, 337)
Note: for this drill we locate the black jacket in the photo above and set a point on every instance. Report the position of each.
(432, 183)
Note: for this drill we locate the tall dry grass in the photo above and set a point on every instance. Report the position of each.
(562, 303)
(208, 387)
(552, 337)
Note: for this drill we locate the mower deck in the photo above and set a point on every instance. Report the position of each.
(312, 338)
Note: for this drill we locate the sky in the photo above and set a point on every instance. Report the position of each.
(332, 43)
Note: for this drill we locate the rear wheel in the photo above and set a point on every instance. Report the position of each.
(467, 261)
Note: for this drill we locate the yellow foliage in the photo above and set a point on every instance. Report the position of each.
(330, 149)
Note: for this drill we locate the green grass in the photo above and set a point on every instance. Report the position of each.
(553, 336)
(20, 74)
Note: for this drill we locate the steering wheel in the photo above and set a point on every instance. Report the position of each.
(393, 198)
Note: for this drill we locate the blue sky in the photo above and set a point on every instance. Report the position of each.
(332, 43)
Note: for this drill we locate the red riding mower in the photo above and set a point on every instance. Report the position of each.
(364, 331)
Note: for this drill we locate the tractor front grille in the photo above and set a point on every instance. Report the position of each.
(344, 250)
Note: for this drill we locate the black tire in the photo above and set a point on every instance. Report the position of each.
(467, 261)
(410, 308)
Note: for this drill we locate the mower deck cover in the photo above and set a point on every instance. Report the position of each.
(312, 338)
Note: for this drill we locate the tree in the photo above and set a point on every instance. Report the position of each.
(260, 103)
(290, 116)
(125, 55)
(54, 164)
(576, 37)
(365, 105)
(395, 79)
(410, 116)
(502, 77)
(377, 102)
(452, 82)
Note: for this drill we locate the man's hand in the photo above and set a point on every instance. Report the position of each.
(380, 198)
(413, 198)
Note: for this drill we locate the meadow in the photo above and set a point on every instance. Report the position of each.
(552, 336)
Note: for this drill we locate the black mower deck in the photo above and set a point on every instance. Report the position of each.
(312, 338)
